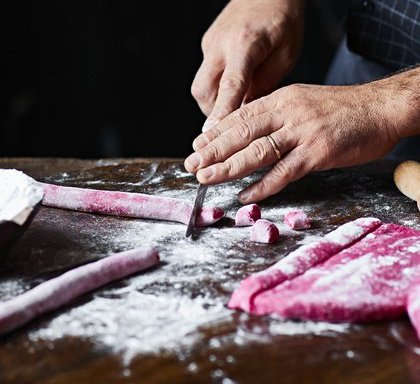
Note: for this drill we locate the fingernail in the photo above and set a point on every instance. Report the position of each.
(209, 123)
(199, 142)
(207, 172)
(244, 196)
(194, 160)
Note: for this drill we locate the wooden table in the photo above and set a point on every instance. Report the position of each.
(168, 325)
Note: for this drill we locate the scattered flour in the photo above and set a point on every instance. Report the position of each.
(11, 288)
(150, 323)
(165, 309)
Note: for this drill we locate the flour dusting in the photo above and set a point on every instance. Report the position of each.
(135, 322)
(165, 308)
(170, 307)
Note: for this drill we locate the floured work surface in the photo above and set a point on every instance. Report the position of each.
(170, 324)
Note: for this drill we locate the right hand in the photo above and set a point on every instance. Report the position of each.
(248, 49)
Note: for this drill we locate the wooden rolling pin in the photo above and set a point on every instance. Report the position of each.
(407, 179)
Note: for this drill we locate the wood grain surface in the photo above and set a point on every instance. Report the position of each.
(235, 349)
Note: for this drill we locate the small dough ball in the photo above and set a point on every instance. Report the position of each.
(247, 215)
(264, 231)
(297, 219)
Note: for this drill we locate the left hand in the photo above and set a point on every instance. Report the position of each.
(314, 128)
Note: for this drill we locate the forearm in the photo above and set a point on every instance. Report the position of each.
(402, 105)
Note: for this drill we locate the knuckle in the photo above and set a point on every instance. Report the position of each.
(245, 34)
(244, 113)
(211, 134)
(212, 153)
(198, 92)
(243, 130)
(230, 168)
(231, 83)
(281, 171)
(205, 42)
(221, 111)
(250, 39)
(293, 90)
(259, 150)
(265, 184)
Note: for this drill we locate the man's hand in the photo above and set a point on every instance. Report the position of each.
(313, 128)
(247, 51)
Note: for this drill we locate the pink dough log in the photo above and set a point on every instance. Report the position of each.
(301, 260)
(126, 204)
(264, 231)
(247, 215)
(297, 219)
(59, 291)
(413, 307)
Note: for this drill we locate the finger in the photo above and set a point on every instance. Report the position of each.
(232, 88)
(246, 112)
(241, 136)
(232, 141)
(293, 166)
(205, 85)
(260, 153)
(267, 76)
(209, 124)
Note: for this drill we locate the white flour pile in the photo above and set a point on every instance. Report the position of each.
(18, 195)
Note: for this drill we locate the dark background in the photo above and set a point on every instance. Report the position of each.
(100, 78)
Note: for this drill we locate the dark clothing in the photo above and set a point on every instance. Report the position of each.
(386, 31)
(350, 68)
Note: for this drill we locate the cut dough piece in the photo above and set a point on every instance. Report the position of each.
(247, 215)
(367, 281)
(264, 231)
(301, 260)
(61, 290)
(127, 204)
(297, 219)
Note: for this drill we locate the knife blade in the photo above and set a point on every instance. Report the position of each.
(198, 204)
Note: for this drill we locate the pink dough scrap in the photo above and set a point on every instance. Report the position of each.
(127, 204)
(247, 215)
(300, 260)
(297, 219)
(264, 231)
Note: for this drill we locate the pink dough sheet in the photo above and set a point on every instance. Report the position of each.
(372, 278)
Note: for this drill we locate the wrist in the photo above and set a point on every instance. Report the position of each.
(400, 101)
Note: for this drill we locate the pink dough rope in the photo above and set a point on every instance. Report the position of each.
(127, 204)
(301, 260)
(59, 291)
